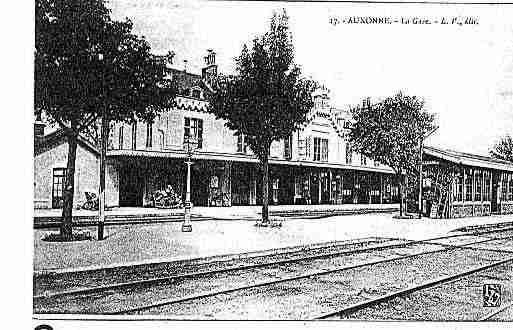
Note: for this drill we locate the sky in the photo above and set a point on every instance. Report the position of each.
(464, 73)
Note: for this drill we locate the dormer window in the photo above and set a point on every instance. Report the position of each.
(196, 93)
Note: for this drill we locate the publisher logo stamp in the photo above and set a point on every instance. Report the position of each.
(492, 295)
(43, 327)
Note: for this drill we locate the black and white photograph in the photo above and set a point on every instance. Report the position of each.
(302, 161)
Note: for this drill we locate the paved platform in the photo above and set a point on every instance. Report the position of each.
(147, 243)
(46, 218)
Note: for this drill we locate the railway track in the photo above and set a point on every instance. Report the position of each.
(498, 312)
(311, 254)
(401, 293)
(442, 247)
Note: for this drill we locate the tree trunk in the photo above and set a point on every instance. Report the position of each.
(265, 190)
(401, 195)
(69, 188)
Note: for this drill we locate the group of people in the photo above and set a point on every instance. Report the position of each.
(167, 198)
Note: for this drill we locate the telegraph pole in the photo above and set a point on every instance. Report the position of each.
(421, 152)
(103, 157)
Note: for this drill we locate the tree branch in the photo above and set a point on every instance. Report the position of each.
(61, 123)
(87, 122)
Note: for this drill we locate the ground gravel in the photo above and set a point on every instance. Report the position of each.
(307, 298)
(460, 300)
(299, 299)
(109, 301)
(57, 282)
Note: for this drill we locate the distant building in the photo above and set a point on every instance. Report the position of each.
(474, 185)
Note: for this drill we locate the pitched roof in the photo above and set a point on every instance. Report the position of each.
(187, 80)
(469, 159)
(57, 137)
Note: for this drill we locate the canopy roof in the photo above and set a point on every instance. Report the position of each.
(469, 159)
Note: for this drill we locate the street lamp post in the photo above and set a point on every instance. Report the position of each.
(189, 148)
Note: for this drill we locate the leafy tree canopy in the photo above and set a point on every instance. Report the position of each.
(503, 149)
(84, 61)
(389, 131)
(87, 66)
(267, 99)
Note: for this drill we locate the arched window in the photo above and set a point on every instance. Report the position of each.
(161, 139)
(120, 136)
(349, 153)
(134, 136)
(149, 135)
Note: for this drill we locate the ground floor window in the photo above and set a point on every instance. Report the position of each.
(458, 189)
(479, 185)
(276, 188)
(510, 190)
(347, 187)
(336, 187)
(468, 184)
(507, 186)
(486, 186)
(297, 187)
(59, 178)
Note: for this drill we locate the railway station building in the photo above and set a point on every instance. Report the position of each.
(315, 165)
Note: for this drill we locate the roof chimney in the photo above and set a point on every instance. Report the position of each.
(39, 128)
(210, 58)
(210, 69)
(171, 56)
(366, 103)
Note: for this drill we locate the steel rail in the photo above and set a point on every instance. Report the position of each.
(401, 293)
(476, 248)
(498, 311)
(108, 287)
(211, 293)
(227, 269)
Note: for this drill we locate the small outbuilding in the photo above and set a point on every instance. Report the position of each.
(50, 160)
(458, 184)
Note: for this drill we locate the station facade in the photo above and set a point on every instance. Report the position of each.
(315, 165)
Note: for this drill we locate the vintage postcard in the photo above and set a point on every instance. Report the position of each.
(285, 160)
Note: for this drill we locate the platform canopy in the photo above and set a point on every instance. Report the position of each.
(469, 159)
